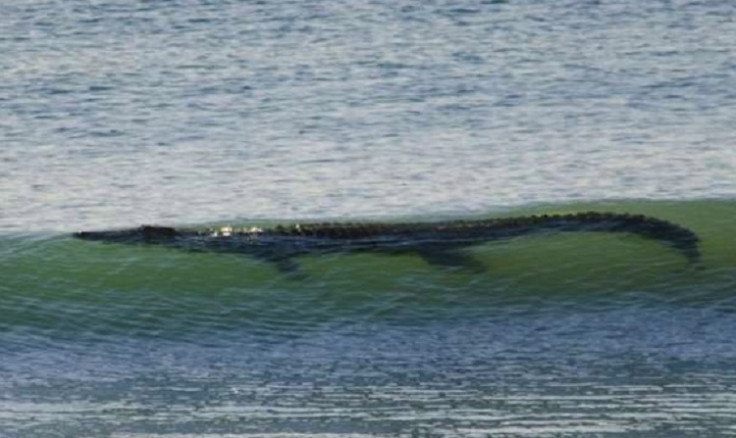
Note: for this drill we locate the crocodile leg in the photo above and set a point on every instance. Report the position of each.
(452, 258)
(285, 263)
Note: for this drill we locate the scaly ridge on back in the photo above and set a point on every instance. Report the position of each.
(377, 236)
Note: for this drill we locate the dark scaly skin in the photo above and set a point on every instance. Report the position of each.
(437, 242)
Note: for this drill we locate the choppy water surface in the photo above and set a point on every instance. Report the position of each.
(126, 112)
(194, 112)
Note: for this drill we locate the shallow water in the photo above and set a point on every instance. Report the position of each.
(114, 114)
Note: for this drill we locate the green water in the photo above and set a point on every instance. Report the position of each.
(60, 284)
(577, 334)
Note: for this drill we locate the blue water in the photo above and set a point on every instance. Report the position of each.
(118, 113)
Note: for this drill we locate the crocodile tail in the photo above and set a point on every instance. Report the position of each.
(668, 233)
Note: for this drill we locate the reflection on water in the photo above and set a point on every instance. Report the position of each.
(560, 371)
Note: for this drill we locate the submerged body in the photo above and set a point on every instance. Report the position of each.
(436, 242)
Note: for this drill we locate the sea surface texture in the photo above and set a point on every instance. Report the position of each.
(196, 113)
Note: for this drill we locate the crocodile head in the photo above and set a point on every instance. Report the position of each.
(142, 234)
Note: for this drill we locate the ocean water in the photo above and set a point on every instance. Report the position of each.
(174, 112)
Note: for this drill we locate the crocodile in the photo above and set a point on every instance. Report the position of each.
(437, 243)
